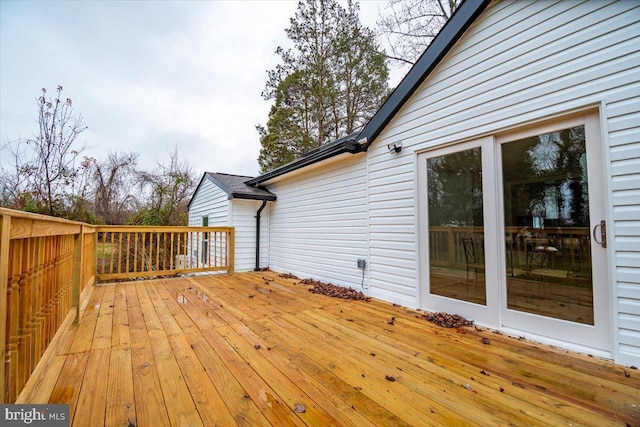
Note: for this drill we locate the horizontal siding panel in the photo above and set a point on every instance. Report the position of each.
(628, 138)
(625, 122)
(630, 338)
(628, 259)
(628, 290)
(627, 244)
(629, 166)
(625, 182)
(626, 198)
(627, 228)
(395, 286)
(319, 223)
(626, 213)
(627, 276)
(520, 51)
(628, 150)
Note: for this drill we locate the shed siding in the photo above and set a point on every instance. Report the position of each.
(243, 218)
(319, 223)
(212, 201)
(520, 61)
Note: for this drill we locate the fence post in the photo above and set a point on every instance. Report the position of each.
(76, 275)
(5, 236)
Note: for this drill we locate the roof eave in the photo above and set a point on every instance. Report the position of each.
(455, 27)
(245, 196)
(347, 146)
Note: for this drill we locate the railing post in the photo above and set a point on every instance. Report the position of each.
(76, 276)
(231, 249)
(5, 231)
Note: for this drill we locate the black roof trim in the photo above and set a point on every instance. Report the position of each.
(455, 27)
(235, 187)
(346, 144)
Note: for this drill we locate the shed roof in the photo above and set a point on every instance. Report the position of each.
(455, 27)
(235, 186)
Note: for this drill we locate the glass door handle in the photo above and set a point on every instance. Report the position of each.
(603, 234)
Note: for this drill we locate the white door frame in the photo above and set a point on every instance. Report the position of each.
(596, 338)
(482, 314)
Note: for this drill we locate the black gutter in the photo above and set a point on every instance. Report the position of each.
(264, 203)
(340, 146)
(455, 27)
(244, 196)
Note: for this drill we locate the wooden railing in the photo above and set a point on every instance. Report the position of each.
(126, 252)
(45, 265)
(446, 250)
(48, 264)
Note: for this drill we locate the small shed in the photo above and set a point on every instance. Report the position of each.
(225, 200)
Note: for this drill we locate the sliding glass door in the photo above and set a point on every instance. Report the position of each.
(512, 232)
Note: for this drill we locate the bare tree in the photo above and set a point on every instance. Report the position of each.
(114, 179)
(167, 190)
(48, 166)
(410, 25)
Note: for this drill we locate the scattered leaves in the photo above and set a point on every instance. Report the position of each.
(483, 372)
(289, 276)
(301, 408)
(627, 374)
(389, 378)
(486, 341)
(334, 291)
(447, 320)
(257, 346)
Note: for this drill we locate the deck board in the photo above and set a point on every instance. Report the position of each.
(248, 349)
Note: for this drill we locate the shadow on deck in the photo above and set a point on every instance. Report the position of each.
(257, 349)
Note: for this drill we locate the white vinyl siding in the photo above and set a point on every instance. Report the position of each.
(624, 137)
(210, 200)
(319, 223)
(519, 62)
(243, 218)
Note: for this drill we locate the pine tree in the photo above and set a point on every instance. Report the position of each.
(328, 85)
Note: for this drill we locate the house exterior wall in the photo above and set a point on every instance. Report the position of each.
(210, 200)
(520, 62)
(243, 218)
(319, 222)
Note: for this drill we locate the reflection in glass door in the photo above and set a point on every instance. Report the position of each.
(456, 226)
(546, 214)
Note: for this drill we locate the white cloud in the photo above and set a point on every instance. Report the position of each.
(148, 76)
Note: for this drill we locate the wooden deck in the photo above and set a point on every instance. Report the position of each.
(256, 349)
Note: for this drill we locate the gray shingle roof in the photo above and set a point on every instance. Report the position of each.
(235, 186)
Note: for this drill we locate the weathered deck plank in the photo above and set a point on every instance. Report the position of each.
(249, 349)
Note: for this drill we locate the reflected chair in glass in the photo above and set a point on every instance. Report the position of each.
(470, 257)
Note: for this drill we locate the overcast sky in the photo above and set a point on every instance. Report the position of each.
(149, 75)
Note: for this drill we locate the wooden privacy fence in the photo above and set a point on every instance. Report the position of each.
(45, 265)
(126, 252)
